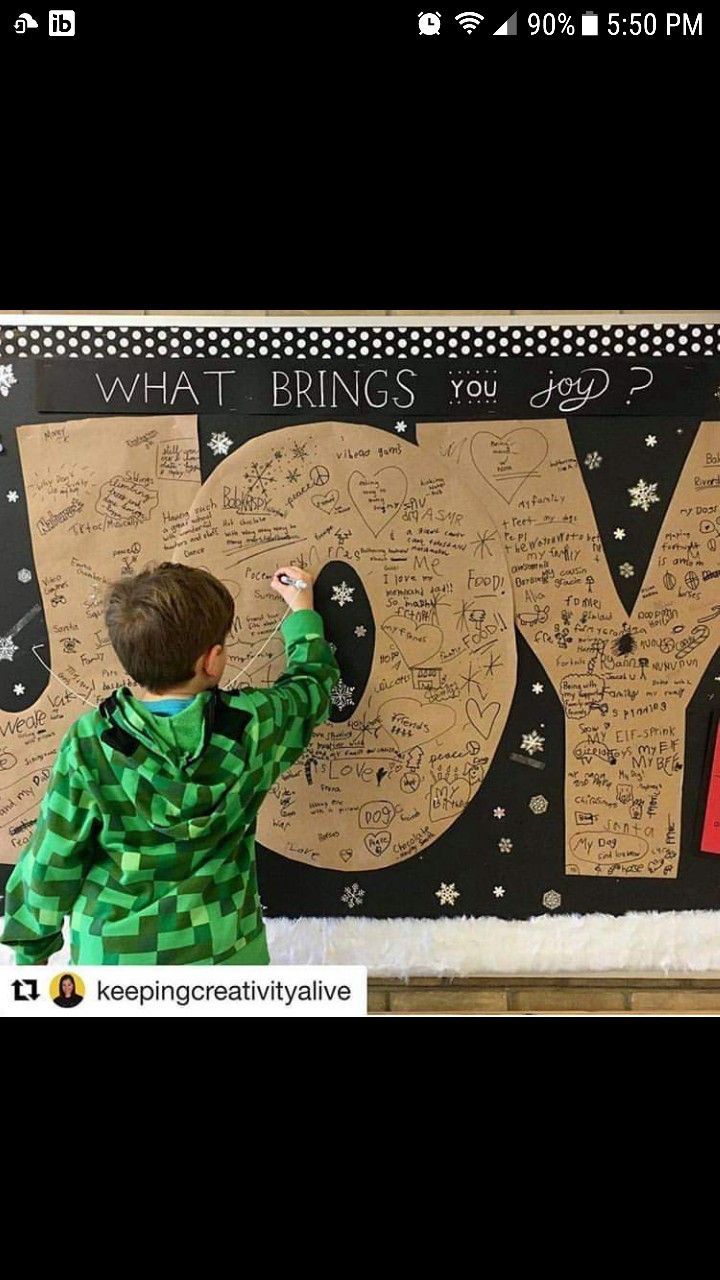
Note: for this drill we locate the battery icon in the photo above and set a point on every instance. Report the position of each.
(589, 24)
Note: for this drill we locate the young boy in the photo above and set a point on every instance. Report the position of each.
(146, 834)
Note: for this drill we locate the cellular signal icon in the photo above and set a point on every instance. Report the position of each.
(469, 20)
(508, 28)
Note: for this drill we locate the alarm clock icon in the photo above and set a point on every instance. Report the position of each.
(429, 24)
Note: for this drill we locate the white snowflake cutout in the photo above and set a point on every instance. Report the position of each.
(448, 895)
(219, 443)
(353, 896)
(7, 649)
(643, 495)
(341, 695)
(532, 742)
(342, 595)
(7, 379)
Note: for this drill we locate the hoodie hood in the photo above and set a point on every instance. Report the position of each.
(159, 762)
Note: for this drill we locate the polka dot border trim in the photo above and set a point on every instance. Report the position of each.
(355, 342)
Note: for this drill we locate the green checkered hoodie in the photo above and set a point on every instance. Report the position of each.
(145, 836)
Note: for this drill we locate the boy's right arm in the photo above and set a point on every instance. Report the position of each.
(285, 715)
(43, 886)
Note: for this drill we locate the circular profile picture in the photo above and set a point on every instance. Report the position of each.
(67, 990)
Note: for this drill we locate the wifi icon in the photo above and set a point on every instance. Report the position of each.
(469, 20)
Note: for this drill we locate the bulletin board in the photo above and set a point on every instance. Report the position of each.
(514, 533)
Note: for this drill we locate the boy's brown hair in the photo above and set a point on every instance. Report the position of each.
(163, 618)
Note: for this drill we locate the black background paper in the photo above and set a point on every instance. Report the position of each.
(467, 855)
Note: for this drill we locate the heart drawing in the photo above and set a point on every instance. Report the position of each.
(506, 462)
(326, 501)
(378, 498)
(417, 643)
(411, 723)
(377, 842)
(482, 719)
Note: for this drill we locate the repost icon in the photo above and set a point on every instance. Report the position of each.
(25, 23)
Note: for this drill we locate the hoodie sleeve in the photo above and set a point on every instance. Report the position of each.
(47, 879)
(285, 715)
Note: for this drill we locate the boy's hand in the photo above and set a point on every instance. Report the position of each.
(293, 598)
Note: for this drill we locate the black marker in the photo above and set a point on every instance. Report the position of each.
(292, 582)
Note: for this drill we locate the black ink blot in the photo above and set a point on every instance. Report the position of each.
(625, 643)
(338, 582)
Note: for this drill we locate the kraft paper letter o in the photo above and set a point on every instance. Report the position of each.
(384, 784)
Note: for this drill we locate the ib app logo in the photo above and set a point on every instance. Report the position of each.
(61, 22)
